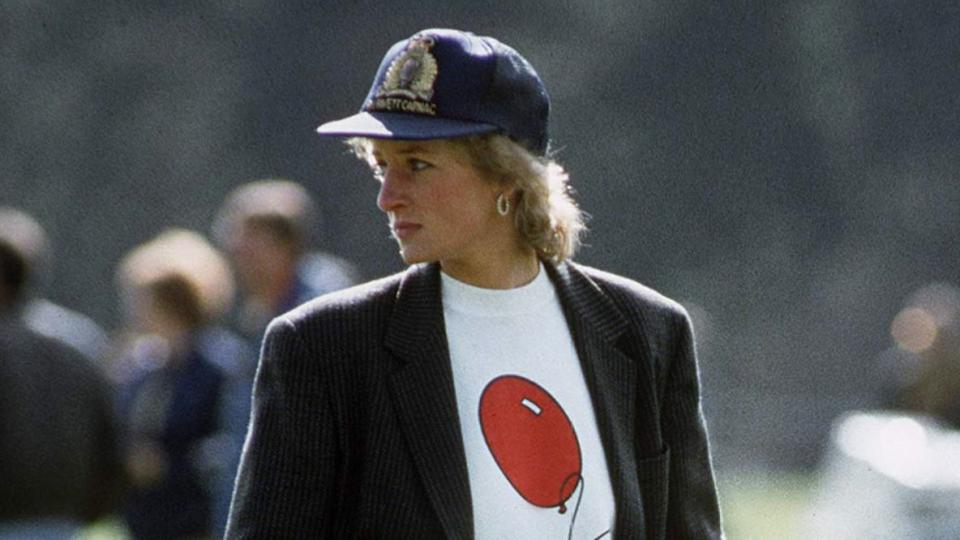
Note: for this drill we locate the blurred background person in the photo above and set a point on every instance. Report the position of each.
(824, 133)
(173, 378)
(59, 458)
(42, 314)
(267, 227)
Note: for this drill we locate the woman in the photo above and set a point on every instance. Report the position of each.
(172, 381)
(494, 389)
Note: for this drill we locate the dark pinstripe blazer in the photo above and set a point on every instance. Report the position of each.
(355, 433)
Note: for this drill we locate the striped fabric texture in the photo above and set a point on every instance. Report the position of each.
(354, 431)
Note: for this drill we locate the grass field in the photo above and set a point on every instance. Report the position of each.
(767, 506)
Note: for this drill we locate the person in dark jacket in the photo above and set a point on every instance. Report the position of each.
(495, 389)
(172, 383)
(41, 314)
(60, 465)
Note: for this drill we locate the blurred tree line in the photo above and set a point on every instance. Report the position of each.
(787, 170)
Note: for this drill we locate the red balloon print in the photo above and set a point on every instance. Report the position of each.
(532, 440)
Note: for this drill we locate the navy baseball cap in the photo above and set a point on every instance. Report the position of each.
(443, 83)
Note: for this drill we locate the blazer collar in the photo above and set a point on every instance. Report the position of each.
(417, 316)
(613, 378)
(422, 389)
(582, 299)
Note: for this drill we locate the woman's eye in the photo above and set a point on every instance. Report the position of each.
(379, 171)
(418, 165)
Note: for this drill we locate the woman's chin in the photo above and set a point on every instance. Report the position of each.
(412, 256)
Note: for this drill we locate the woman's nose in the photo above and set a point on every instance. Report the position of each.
(391, 196)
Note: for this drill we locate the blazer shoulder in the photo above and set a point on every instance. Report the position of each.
(358, 304)
(633, 295)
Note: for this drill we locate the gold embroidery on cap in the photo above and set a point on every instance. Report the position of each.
(408, 83)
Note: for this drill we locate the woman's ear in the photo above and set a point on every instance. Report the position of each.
(507, 186)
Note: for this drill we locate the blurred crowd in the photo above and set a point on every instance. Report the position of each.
(146, 423)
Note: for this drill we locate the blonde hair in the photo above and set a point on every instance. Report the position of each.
(546, 215)
(186, 273)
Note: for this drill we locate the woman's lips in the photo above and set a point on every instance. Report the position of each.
(405, 229)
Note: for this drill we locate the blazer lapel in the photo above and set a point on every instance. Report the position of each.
(596, 325)
(424, 394)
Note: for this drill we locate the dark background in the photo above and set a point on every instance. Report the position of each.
(786, 170)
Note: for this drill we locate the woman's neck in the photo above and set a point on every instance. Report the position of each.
(507, 269)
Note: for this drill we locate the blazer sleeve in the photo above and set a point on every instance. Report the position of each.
(286, 482)
(693, 509)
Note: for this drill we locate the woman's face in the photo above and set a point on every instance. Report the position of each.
(149, 315)
(263, 261)
(440, 208)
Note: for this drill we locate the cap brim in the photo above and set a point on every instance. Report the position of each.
(386, 125)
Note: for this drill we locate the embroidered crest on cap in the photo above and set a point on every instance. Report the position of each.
(408, 83)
